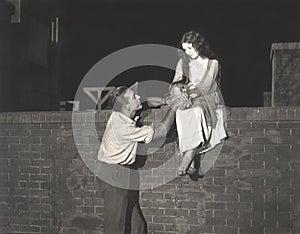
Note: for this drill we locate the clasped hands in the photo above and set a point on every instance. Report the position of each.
(177, 99)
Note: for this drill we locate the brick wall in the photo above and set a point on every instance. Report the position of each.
(254, 186)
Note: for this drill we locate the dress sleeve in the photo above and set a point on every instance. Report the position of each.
(210, 78)
(178, 71)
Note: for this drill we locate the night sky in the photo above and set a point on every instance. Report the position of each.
(241, 33)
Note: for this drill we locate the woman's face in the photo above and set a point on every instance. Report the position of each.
(189, 50)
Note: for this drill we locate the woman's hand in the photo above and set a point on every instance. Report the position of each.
(178, 101)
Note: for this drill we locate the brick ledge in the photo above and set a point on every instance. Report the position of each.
(233, 114)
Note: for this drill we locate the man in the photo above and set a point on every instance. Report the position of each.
(118, 151)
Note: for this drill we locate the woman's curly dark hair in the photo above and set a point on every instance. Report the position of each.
(201, 46)
(199, 43)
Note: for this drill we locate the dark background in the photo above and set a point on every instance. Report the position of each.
(36, 73)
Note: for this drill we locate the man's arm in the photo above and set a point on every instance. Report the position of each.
(162, 129)
(173, 104)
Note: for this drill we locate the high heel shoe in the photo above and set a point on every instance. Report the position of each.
(181, 173)
(191, 171)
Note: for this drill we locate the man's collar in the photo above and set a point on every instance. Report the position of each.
(125, 117)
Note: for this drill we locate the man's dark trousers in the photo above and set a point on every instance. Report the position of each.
(122, 212)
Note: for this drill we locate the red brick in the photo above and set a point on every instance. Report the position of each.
(163, 219)
(278, 149)
(38, 193)
(4, 132)
(214, 221)
(251, 230)
(237, 140)
(264, 125)
(32, 170)
(253, 148)
(277, 231)
(40, 222)
(201, 228)
(4, 147)
(278, 132)
(39, 148)
(176, 211)
(214, 188)
(239, 206)
(238, 124)
(150, 211)
(40, 132)
(4, 162)
(19, 221)
(6, 154)
(4, 170)
(251, 132)
(260, 190)
(295, 230)
(163, 232)
(247, 215)
(157, 227)
(19, 132)
(295, 132)
(226, 197)
(4, 177)
(226, 230)
(223, 180)
(19, 147)
(29, 155)
(9, 229)
(10, 140)
(272, 182)
(280, 165)
(87, 209)
(50, 140)
(265, 156)
(19, 177)
(30, 185)
(264, 140)
(289, 124)
(40, 208)
(226, 214)
(189, 204)
(244, 165)
(146, 195)
(214, 206)
(30, 140)
(29, 229)
(249, 197)
(288, 140)
(38, 162)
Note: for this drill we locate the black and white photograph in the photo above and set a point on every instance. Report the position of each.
(149, 117)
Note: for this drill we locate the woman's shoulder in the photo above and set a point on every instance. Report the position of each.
(213, 61)
(179, 62)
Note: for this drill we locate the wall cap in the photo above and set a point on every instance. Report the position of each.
(291, 113)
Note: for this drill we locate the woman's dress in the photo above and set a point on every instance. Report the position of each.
(201, 125)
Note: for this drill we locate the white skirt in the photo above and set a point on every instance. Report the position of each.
(193, 130)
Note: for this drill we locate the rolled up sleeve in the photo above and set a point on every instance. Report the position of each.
(149, 135)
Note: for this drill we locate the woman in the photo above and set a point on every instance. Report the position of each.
(200, 125)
